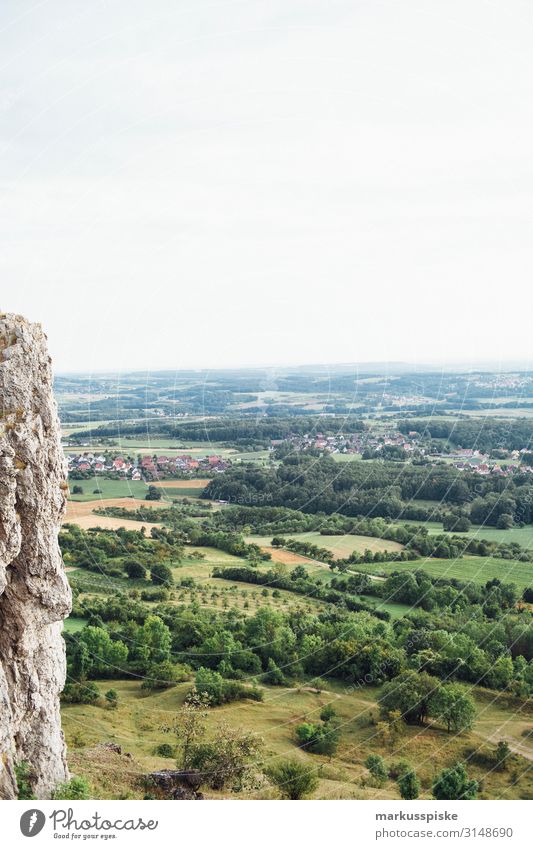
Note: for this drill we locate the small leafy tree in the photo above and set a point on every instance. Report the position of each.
(189, 726)
(454, 707)
(376, 767)
(409, 785)
(134, 569)
(153, 494)
(161, 575)
(502, 755)
(228, 760)
(111, 698)
(453, 783)
(293, 779)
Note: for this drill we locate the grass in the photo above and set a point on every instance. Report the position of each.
(74, 624)
(341, 546)
(476, 569)
(108, 489)
(523, 536)
(137, 724)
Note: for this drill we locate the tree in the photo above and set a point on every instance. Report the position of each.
(502, 755)
(161, 575)
(111, 698)
(409, 785)
(320, 738)
(293, 779)
(77, 489)
(453, 783)
(154, 640)
(134, 569)
(153, 494)
(410, 693)
(189, 726)
(376, 767)
(228, 760)
(162, 675)
(454, 707)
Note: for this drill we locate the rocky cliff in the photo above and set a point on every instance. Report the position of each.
(34, 593)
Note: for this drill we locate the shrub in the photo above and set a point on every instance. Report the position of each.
(453, 783)
(134, 569)
(293, 779)
(409, 785)
(23, 776)
(376, 767)
(76, 788)
(502, 755)
(111, 698)
(161, 575)
(318, 738)
(165, 674)
(165, 750)
(80, 693)
(327, 713)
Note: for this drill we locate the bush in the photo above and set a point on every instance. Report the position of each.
(76, 788)
(376, 767)
(453, 783)
(293, 779)
(409, 785)
(165, 750)
(327, 713)
(274, 675)
(111, 698)
(77, 490)
(80, 693)
(502, 755)
(218, 691)
(134, 569)
(318, 738)
(165, 674)
(23, 776)
(161, 575)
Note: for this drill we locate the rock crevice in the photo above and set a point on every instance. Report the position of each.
(34, 593)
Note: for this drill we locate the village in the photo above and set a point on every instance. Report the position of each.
(143, 467)
(395, 445)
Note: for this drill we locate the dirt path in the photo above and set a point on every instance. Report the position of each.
(518, 748)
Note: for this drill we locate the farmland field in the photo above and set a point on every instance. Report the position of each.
(523, 536)
(341, 546)
(108, 489)
(476, 569)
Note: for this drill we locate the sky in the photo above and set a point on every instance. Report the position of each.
(201, 183)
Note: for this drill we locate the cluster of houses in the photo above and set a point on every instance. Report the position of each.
(147, 467)
(353, 443)
(156, 467)
(465, 459)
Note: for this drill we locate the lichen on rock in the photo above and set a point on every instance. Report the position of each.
(34, 592)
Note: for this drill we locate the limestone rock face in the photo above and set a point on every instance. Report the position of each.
(34, 593)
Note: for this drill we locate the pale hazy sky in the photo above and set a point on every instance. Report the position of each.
(192, 183)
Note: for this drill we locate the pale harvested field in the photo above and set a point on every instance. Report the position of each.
(82, 513)
(193, 483)
(279, 555)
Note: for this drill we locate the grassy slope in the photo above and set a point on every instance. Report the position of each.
(136, 726)
(477, 569)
